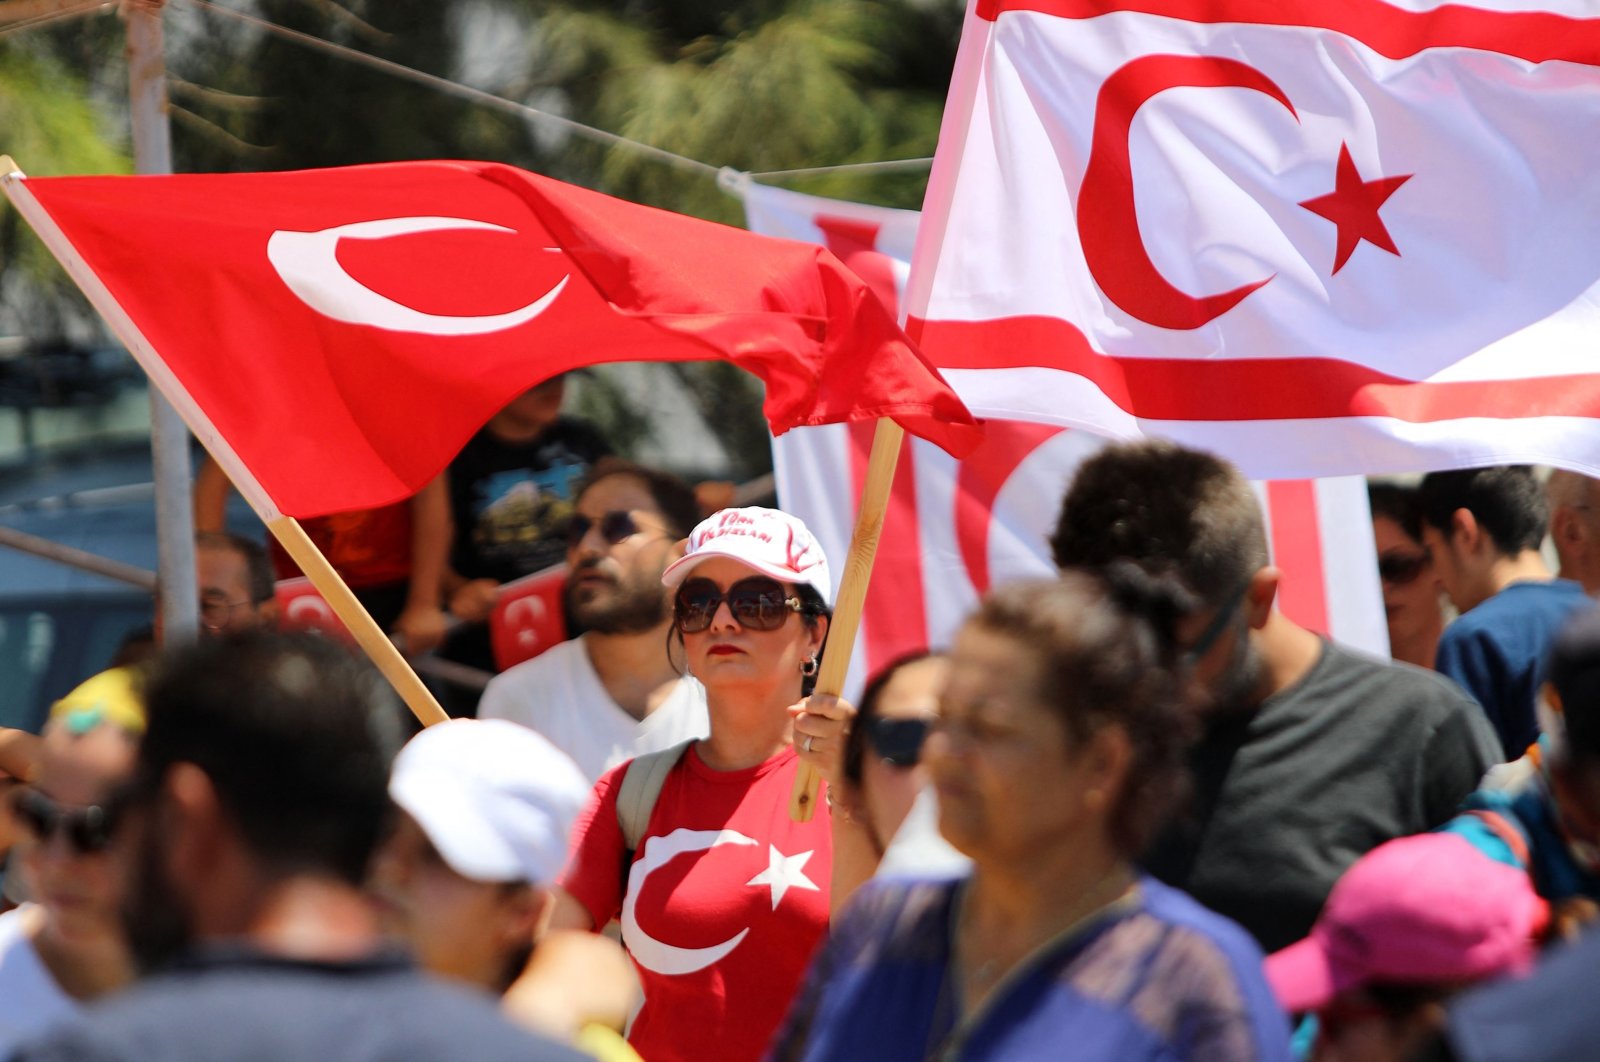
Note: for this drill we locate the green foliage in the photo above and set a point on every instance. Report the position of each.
(763, 86)
(50, 127)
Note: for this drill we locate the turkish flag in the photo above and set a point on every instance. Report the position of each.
(1319, 238)
(344, 332)
(954, 528)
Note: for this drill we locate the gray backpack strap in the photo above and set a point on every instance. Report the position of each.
(641, 786)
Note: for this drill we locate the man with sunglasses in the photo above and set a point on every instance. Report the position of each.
(1310, 755)
(258, 797)
(67, 947)
(612, 693)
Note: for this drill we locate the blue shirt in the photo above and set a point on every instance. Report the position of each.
(1154, 977)
(1497, 653)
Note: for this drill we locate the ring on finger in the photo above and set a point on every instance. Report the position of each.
(806, 745)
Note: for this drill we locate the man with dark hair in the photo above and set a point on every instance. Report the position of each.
(1574, 501)
(1310, 755)
(236, 584)
(258, 798)
(612, 693)
(1483, 528)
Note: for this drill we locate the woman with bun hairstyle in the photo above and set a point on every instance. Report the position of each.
(1058, 749)
(723, 900)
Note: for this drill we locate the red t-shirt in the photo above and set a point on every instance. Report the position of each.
(726, 900)
(367, 547)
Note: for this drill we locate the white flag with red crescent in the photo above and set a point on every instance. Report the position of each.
(1318, 238)
(954, 528)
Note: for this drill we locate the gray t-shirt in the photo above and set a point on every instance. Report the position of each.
(1357, 752)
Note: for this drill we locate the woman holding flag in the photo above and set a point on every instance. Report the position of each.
(1058, 750)
(722, 898)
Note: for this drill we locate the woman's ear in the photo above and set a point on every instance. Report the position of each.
(819, 635)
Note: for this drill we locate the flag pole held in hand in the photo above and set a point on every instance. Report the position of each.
(857, 573)
(287, 530)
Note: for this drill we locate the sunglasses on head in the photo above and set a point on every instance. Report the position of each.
(614, 526)
(86, 829)
(757, 604)
(1398, 569)
(897, 742)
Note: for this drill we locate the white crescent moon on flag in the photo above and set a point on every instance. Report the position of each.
(309, 265)
(647, 951)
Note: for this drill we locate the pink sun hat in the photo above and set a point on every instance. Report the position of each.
(1429, 909)
(772, 542)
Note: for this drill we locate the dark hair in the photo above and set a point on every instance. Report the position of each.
(1506, 500)
(262, 583)
(1167, 509)
(1106, 642)
(673, 498)
(296, 735)
(1398, 503)
(855, 744)
(812, 606)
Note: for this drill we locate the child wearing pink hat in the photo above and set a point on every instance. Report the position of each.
(1408, 925)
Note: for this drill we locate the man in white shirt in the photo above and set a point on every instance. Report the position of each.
(613, 692)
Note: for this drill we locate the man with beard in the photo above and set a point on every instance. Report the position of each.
(258, 796)
(1310, 755)
(612, 693)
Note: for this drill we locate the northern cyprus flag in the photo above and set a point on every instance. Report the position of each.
(1317, 237)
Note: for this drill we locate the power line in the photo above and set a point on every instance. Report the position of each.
(590, 132)
(850, 167)
(467, 92)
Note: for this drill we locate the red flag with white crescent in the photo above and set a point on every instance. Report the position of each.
(956, 527)
(1318, 238)
(341, 333)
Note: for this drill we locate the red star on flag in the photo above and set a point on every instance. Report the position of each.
(1353, 207)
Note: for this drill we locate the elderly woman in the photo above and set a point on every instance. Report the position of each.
(1058, 748)
(722, 898)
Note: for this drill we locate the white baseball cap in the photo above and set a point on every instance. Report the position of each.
(495, 799)
(772, 542)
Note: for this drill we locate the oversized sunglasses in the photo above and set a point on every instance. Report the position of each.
(86, 829)
(757, 604)
(898, 742)
(1398, 569)
(615, 526)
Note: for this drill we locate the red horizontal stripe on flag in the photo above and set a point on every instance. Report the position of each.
(1247, 389)
(1535, 36)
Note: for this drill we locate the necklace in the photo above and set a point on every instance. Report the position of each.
(1102, 894)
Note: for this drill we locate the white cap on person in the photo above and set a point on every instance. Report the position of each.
(772, 542)
(494, 798)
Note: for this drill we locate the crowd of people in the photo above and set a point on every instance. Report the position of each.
(1130, 812)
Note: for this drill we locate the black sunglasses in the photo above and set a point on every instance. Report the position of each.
(87, 829)
(615, 526)
(1219, 623)
(897, 742)
(757, 604)
(1398, 569)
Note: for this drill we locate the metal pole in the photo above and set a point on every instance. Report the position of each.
(81, 559)
(169, 440)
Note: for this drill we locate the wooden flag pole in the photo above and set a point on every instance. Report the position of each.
(857, 572)
(368, 635)
(376, 644)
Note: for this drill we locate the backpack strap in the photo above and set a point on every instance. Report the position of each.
(641, 786)
(1509, 832)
